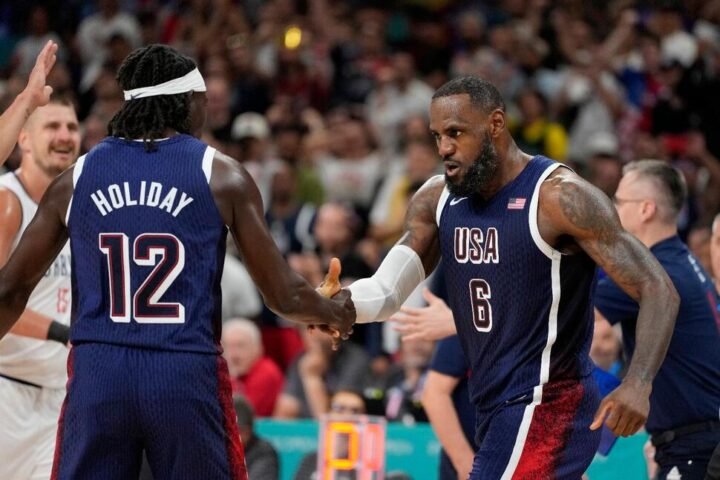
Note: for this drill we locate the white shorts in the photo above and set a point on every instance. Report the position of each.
(28, 420)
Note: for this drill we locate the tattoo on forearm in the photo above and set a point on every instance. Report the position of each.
(620, 254)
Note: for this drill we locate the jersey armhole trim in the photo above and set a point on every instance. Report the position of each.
(441, 204)
(542, 245)
(77, 171)
(207, 162)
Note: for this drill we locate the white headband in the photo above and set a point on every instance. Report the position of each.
(190, 82)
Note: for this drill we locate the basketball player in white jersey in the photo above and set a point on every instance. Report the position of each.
(33, 356)
(36, 94)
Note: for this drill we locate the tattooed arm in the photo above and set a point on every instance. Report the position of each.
(576, 213)
(421, 230)
(406, 264)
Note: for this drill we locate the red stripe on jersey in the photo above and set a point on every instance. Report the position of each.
(550, 429)
(60, 429)
(235, 450)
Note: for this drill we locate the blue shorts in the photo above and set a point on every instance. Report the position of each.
(548, 440)
(176, 406)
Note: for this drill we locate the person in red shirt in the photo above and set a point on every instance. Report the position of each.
(252, 374)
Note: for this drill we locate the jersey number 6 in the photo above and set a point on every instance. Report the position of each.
(166, 254)
(480, 302)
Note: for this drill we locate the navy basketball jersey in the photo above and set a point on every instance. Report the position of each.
(149, 244)
(523, 310)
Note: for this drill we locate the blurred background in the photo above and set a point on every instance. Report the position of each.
(325, 102)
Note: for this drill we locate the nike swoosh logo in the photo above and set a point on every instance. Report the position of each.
(455, 201)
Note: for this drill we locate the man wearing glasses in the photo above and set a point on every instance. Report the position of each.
(683, 421)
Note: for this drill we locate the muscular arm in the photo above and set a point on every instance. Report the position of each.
(40, 244)
(571, 207)
(36, 93)
(284, 291)
(408, 262)
(421, 230)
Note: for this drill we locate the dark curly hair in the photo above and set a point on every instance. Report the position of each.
(148, 118)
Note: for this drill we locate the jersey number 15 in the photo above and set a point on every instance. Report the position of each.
(163, 251)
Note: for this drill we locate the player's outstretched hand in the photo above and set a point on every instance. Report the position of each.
(626, 408)
(331, 285)
(428, 323)
(37, 90)
(331, 288)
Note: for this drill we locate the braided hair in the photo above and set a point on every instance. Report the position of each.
(147, 118)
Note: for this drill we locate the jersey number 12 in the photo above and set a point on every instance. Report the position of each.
(163, 251)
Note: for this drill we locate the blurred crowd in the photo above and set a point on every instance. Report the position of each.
(325, 102)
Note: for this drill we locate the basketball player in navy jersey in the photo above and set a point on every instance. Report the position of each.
(147, 212)
(520, 238)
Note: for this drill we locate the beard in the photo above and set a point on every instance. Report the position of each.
(480, 173)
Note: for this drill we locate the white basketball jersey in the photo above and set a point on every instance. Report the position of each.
(41, 362)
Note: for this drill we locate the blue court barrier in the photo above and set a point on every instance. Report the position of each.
(415, 450)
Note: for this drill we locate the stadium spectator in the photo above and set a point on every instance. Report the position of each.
(535, 133)
(252, 374)
(261, 458)
(319, 372)
(406, 383)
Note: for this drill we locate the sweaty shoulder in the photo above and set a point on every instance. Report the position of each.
(11, 221)
(230, 182)
(571, 207)
(428, 196)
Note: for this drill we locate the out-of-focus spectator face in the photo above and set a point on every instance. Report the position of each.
(242, 346)
(715, 250)
(699, 244)
(218, 102)
(650, 52)
(60, 79)
(416, 353)
(333, 231)
(404, 66)
(422, 161)
(118, 48)
(284, 184)
(605, 172)
(94, 130)
(416, 128)
(371, 39)
(471, 28)
(239, 54)
(218, 95)
(605, 347)
(39, 21)
(531, 106)
(51, 137)
(288, 143)
(216, 66)
(356, 142)
(347, 403)
(502, 40)
(647, 146)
